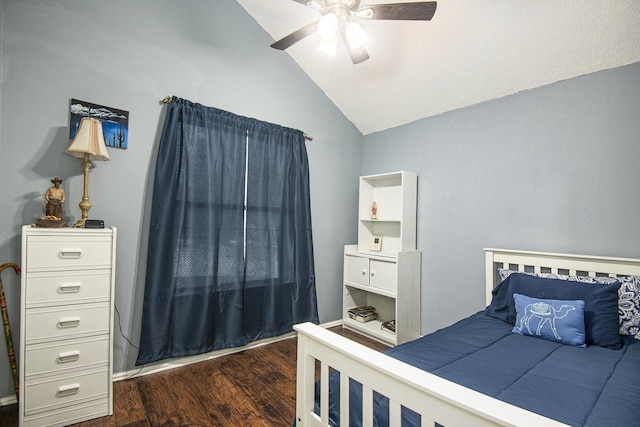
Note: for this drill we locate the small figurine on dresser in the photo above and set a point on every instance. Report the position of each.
(55, 198)
(53, 210)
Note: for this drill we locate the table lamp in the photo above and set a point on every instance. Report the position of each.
(88, 144)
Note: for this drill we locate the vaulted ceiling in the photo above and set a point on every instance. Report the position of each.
(470, 52)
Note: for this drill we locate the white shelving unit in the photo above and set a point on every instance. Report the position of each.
(395, 197)
(388, 279)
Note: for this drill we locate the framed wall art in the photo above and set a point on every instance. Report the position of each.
(115, 122)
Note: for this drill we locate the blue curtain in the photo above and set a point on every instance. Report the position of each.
(220, 276)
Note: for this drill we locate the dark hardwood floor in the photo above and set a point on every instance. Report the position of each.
(255, 387)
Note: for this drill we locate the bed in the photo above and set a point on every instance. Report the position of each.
(485, 371)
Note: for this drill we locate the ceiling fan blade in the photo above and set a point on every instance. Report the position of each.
(295, 37)
(417, 11)
(315, 4)
(357, 55)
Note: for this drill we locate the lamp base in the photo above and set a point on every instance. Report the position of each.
(85, 204)
(80, 224)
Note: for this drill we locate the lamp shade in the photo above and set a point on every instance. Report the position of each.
(89, 140)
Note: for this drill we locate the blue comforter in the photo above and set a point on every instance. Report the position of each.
(591, 386)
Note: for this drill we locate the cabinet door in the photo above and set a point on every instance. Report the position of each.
(383, 275)
(356, 270)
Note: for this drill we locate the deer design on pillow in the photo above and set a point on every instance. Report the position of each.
(546, 314)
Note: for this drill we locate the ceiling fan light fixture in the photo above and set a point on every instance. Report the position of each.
(328, 46)
(335, 21)
(356, 37)
(328, 26)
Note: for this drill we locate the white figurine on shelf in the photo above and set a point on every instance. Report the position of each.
(374, 211)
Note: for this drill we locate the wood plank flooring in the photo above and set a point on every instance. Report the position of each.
(255, 387)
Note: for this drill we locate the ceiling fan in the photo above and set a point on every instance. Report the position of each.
(336, 21)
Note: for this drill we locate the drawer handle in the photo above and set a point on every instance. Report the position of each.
(68, 390)
(68, 356)
(364, 272)
(373, 273)
(70, 253)
(69, 322)
(69, 288)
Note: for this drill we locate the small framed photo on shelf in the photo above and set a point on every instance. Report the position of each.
(376, 242)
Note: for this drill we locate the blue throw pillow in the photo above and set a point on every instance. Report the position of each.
(628, 296)
(551, 319)
(600, 304)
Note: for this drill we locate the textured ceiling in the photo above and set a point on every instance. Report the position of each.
(470, 52)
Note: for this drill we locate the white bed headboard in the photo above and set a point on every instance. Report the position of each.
(537, 262)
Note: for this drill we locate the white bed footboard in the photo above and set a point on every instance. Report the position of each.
(434, 398)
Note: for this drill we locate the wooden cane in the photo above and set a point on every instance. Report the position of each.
(7, 328)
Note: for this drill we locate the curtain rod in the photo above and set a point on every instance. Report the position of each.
(167, 99)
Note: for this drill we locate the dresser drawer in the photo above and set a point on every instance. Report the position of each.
(69, 414)
(60, 392)
(76, 252)
(46, 289)
(66, 322)
(48, 359)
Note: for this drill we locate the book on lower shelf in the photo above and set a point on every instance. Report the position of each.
(389, 326)
(362, 313)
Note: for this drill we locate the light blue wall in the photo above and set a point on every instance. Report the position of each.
(552, 169)
(130, 54)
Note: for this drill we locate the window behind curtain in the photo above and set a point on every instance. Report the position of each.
(205, 289)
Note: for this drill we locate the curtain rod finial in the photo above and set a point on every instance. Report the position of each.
(166, 99)
(308, 137)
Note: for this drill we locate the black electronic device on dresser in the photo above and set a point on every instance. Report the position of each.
(94, 223)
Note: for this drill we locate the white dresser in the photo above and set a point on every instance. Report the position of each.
(66, 317)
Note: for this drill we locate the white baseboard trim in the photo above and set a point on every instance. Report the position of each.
(8, 400)
(154, 368)
(333, 323)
